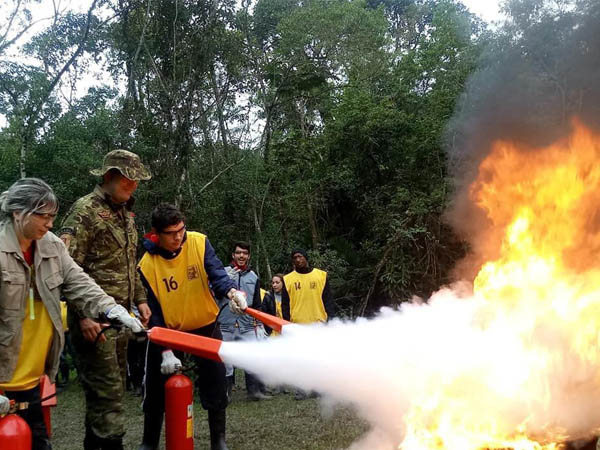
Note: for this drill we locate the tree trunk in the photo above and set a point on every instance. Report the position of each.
(313, 224)
(219, 104)
(260, 238)
(22, 158)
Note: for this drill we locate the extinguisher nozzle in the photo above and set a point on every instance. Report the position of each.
(202, 346)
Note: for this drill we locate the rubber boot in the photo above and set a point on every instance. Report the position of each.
(152, 428)
(41, 444)
(91, 441)
(216, 425)
(115, 443)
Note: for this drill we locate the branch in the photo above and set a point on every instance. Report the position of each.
(58, 76)
(77, 51)
(262, 203)
(20, 33)
(222, 172)
(139, 47)
(12, 18)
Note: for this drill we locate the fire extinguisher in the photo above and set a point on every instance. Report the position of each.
(179, 413)
(15, 434)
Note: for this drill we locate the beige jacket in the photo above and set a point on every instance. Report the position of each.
(56, 276)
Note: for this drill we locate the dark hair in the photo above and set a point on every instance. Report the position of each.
(165, 215)
(241, 244)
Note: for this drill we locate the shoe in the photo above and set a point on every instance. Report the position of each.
(254, 388)
(300, 395)
(146, 447)
(216, 426)
(257, 396)
(230, 388)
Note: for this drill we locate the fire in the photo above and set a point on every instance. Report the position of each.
(538, 306)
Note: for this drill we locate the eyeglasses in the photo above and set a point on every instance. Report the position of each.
(46, 217)
(174, 232)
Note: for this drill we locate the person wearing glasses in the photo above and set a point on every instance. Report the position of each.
(180, 270)
(101, 236)
(36, 271)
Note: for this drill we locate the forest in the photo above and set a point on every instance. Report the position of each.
(321, 124)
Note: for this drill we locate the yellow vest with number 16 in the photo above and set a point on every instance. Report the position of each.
(181, 285)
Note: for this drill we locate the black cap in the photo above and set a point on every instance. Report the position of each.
(299, 250)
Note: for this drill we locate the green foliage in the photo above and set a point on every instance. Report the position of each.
(347, 102)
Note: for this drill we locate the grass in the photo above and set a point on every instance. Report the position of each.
(282, 422)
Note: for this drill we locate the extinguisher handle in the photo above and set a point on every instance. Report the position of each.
(7, 406)
(115, 325)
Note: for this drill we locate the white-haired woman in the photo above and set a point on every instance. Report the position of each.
(35, 272)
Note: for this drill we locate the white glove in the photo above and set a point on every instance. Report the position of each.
(238, 304)
(119, 313)
(4, 405)
(170, 363)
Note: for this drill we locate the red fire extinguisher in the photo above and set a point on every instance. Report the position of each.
(15, 434)
(179, 413)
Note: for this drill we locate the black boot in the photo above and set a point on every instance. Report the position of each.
(115, 443)
(216, 425)
(91, 441)
(152, 429)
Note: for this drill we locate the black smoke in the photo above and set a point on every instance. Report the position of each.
(539, 71)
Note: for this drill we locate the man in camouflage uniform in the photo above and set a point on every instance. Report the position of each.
(100, 233)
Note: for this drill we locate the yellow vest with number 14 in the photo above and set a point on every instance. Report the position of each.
(306, 296)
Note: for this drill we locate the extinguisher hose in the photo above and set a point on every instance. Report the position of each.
(25, 405)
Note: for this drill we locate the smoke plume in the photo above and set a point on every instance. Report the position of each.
(541, 72)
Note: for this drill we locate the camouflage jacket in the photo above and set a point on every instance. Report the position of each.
(102, 239)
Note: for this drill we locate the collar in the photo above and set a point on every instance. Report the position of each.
(102, 194)
(239, 268)
(150, 243)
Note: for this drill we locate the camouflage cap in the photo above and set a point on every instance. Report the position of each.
(129, 164)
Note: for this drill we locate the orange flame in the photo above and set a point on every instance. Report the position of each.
(543, 284)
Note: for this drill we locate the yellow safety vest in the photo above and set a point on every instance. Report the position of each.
(305, 291)
(181, 285)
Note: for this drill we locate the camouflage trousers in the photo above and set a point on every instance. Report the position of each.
(102, 370)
